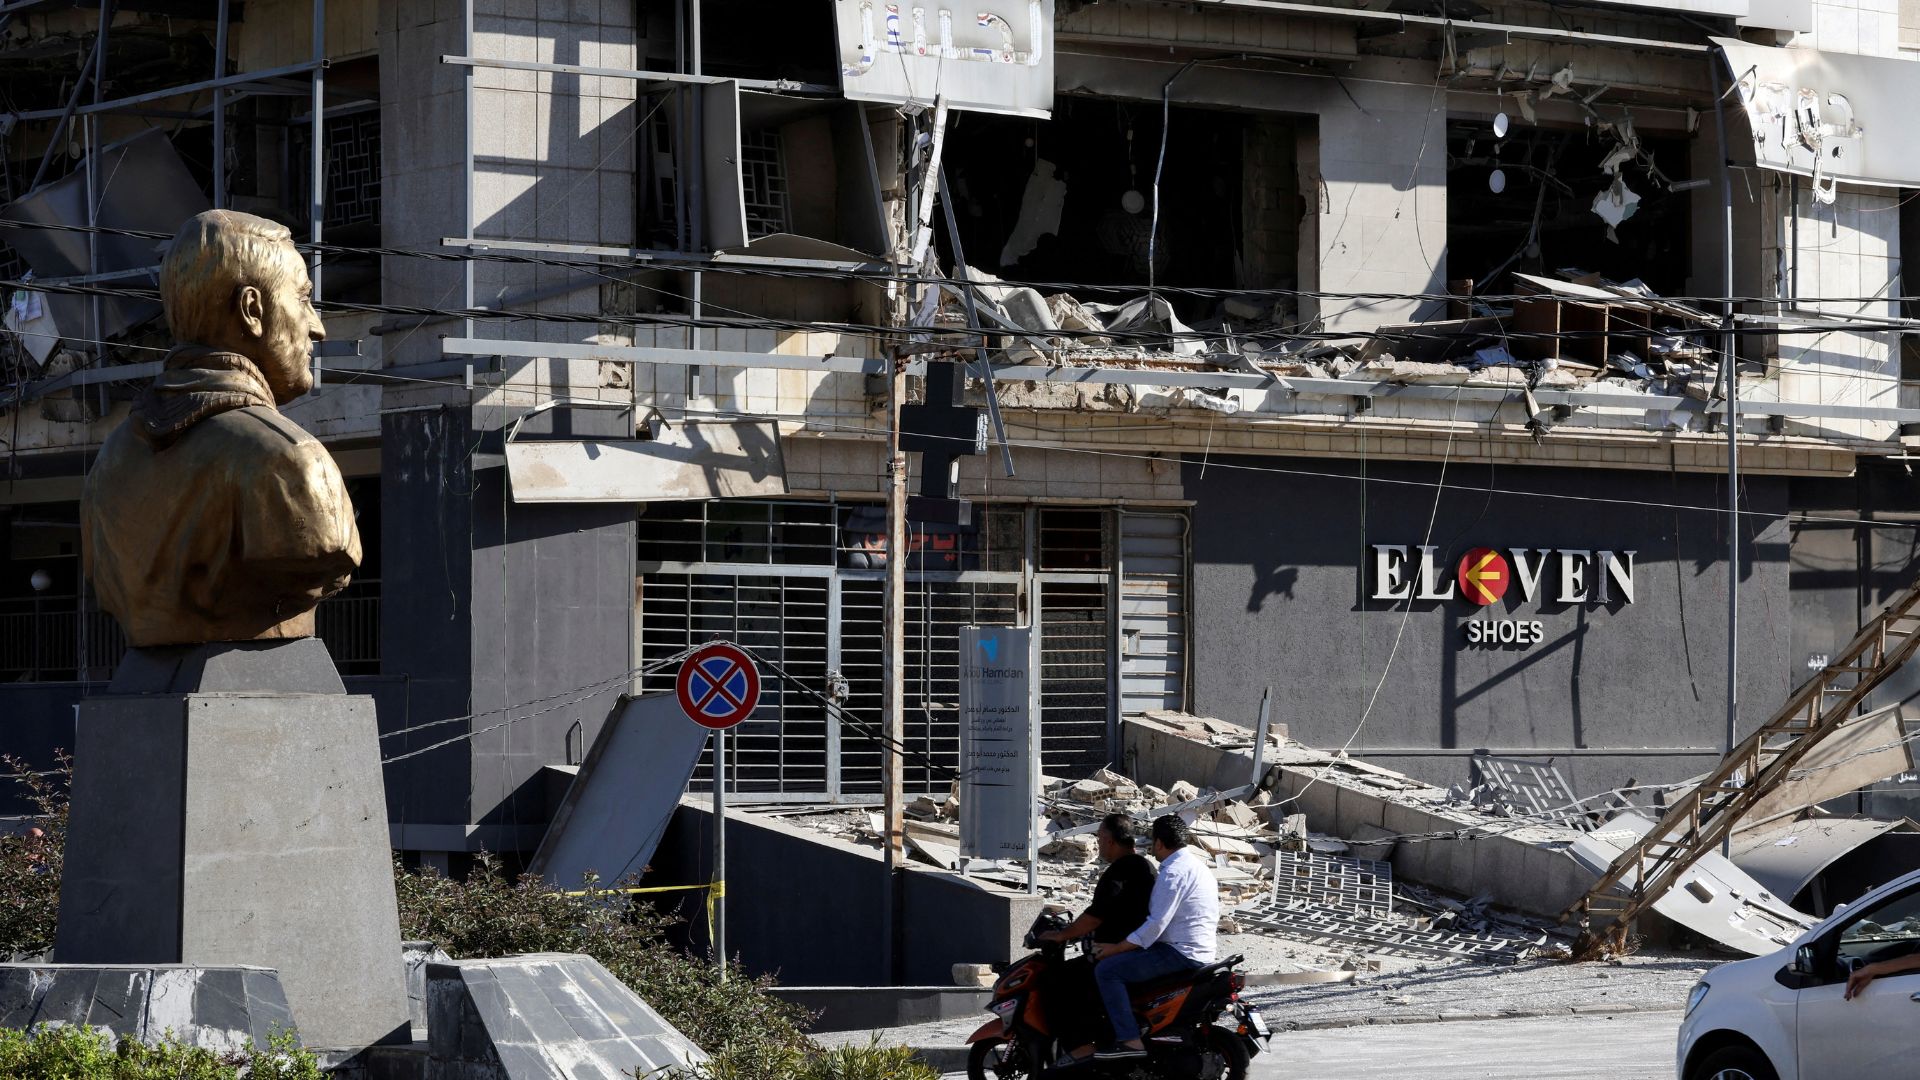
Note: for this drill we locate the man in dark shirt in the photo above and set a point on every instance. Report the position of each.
(1119, 907)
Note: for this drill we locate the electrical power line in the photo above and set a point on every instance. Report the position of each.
(588, 691)
(679, 262)
(1409, 333)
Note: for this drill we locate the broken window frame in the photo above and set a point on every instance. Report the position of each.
(729, 207)
(1243, 205)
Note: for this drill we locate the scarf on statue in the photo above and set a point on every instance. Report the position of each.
(197, 382)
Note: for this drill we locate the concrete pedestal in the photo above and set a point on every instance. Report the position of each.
(228, 809)
(223, 1009)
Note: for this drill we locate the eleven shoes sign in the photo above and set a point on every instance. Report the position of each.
(1484, 575)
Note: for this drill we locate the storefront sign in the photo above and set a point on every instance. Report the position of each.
(1483, 576)
(1833, 117)
(997, 768)
(1579, 576)
(994, 57)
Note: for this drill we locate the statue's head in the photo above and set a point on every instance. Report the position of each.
(234, 281)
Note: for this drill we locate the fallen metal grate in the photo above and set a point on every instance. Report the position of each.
(1323, 926)
(1359, 885)
(1536, 788)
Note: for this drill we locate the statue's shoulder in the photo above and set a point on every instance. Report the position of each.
(257, 442)
(262, 430)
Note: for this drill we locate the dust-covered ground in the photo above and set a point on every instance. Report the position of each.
(1456, 990)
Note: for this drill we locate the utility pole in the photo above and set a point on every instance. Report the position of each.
(917, 239)
(893, 595)
(716, 903)
(893, 707)
(1730, 369)
(894, 666)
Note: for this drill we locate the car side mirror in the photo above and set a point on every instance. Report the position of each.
(1804, 960)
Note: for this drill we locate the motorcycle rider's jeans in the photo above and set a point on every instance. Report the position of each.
(1115, 974)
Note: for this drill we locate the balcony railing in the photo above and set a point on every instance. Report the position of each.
(45, 638)
(349, 622)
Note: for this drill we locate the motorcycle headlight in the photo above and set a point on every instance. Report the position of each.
(1695, 996)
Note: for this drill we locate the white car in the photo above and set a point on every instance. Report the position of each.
(1783, 1017)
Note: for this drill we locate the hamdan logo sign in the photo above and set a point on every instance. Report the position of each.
(1484, 575)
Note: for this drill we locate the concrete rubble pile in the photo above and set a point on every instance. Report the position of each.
(1574, 331)
(1343, 858)
(1325, 860)
(1276, 877)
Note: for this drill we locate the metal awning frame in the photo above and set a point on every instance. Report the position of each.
(1097, 375)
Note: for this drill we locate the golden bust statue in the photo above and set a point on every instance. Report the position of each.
(208, 516)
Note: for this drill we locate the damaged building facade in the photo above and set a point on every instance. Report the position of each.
(1366, 353)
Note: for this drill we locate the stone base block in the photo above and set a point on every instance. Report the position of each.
(236, 828)
(222, 1009)
(545, 1016)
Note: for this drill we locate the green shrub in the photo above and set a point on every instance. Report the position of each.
(30, 864)
(869, 1062)
(76, 1053)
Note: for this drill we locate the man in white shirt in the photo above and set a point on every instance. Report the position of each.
(1183, 916)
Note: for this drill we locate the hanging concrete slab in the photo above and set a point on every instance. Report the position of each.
(1714, 898)
(1790, 856)
(1859, 753)
(618, 806)
(691, 460)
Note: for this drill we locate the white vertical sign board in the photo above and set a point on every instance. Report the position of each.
(997, 767)
(996, 56)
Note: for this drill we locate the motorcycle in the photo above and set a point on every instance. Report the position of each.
(1194, 1025)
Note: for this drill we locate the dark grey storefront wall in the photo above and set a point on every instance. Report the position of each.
(1856, 545)
(426, 459)
(1282, 568)
(490, 606)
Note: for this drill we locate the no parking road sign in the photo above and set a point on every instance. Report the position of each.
(718, 686)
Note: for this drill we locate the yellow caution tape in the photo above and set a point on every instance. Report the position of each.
(716, 891)
(629, 892)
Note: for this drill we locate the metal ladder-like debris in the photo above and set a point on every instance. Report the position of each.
(1374, 933)
(1700, 820)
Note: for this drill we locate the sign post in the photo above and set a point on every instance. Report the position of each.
(718, 687)
(997, 765)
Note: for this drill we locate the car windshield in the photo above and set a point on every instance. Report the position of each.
(1891, 928)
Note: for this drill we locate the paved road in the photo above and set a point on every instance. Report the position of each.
(1631, 1046)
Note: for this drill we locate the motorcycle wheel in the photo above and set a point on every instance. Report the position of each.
(996, 1059)
(1231, 1051)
